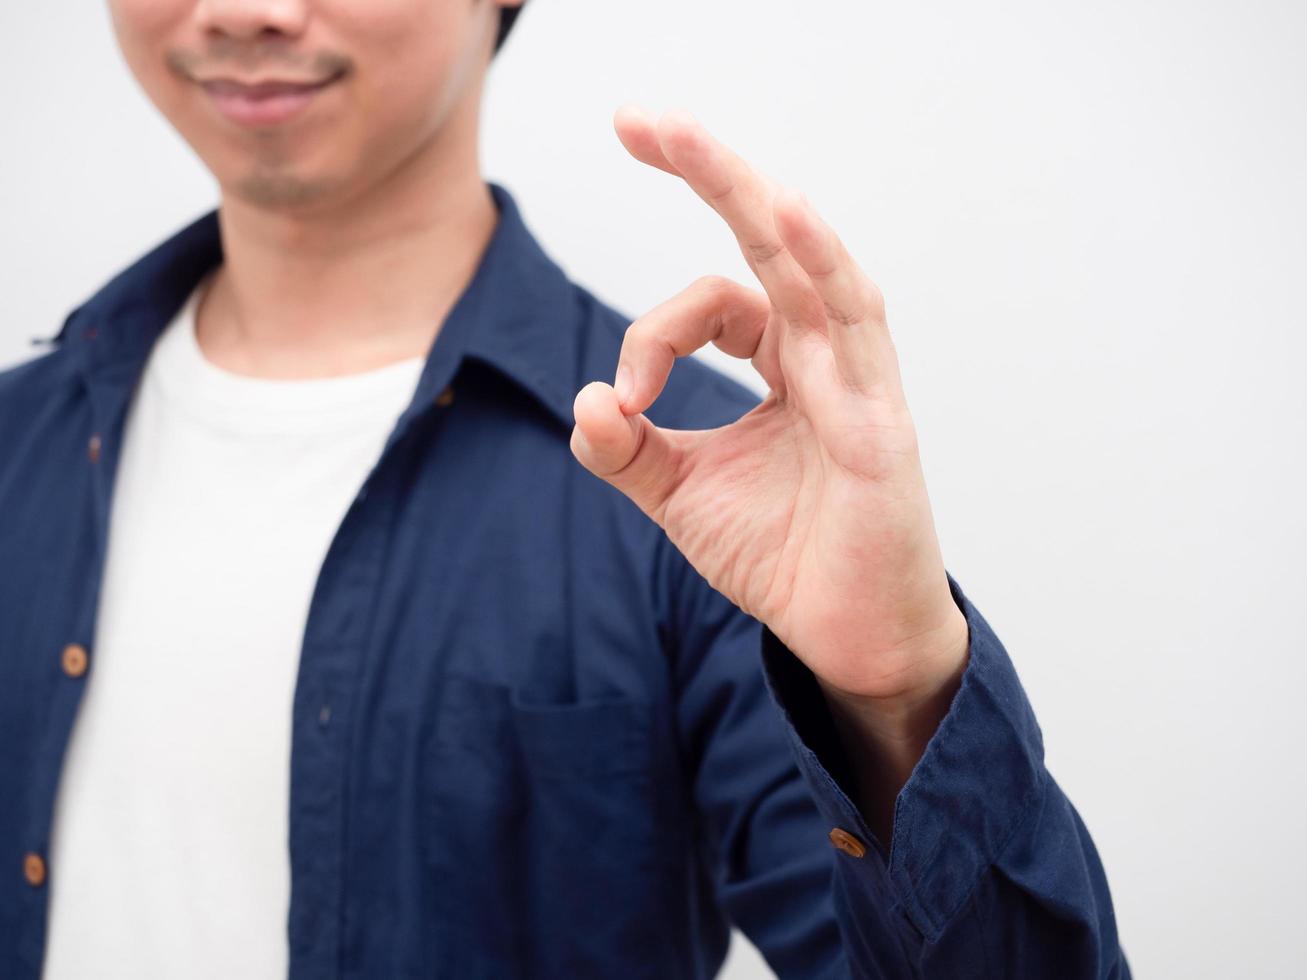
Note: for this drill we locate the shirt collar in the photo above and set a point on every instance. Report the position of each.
(519, 314)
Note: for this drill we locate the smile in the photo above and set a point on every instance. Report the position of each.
(265, 104)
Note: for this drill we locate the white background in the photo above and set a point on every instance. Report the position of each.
(1088, 221)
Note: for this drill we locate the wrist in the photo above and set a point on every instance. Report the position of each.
(909, 709)
(884, 737)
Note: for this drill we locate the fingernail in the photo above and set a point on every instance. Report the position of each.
(622, 383)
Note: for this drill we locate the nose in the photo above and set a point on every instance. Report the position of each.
(250, 19)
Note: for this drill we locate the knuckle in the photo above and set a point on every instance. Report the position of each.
(649, 339)
(866, 303)
(635, 332)
(714, 286)
(874, 298)
(844, 317)
(640, 336)
(764, 251)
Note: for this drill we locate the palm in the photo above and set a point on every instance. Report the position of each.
(810, 512)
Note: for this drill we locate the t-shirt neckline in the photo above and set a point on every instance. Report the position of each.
(245, 402)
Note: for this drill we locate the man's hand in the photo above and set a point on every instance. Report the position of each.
(810, 512)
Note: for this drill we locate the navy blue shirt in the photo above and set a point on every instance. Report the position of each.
(528, 739)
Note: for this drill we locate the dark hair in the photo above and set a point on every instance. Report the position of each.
(506, 17)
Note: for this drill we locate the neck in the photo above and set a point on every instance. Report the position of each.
(354, 285)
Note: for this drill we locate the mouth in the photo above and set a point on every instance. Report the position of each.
(269, 102)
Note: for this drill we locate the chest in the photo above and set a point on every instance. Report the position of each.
(481, 732)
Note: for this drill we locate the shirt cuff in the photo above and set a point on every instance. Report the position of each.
(976, 781)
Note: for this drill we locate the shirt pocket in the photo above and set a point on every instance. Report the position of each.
(544, 828)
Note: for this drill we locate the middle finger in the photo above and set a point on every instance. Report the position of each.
(744, 199)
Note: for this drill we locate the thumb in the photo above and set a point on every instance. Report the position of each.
(628, 451)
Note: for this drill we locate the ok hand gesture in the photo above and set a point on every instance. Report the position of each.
(810, 512)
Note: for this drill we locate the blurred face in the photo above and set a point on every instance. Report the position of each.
(297, 103)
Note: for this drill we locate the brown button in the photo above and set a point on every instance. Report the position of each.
(847, 843)
(34, 869)
(446, 397)
(93, 448)
(74, 660)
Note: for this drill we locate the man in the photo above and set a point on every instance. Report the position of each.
(373, 677)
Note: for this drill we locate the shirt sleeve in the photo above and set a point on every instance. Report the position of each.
(990, 871)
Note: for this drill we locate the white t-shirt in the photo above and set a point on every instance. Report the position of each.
(168, 858)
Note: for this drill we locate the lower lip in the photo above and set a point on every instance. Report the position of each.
(270, 110)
